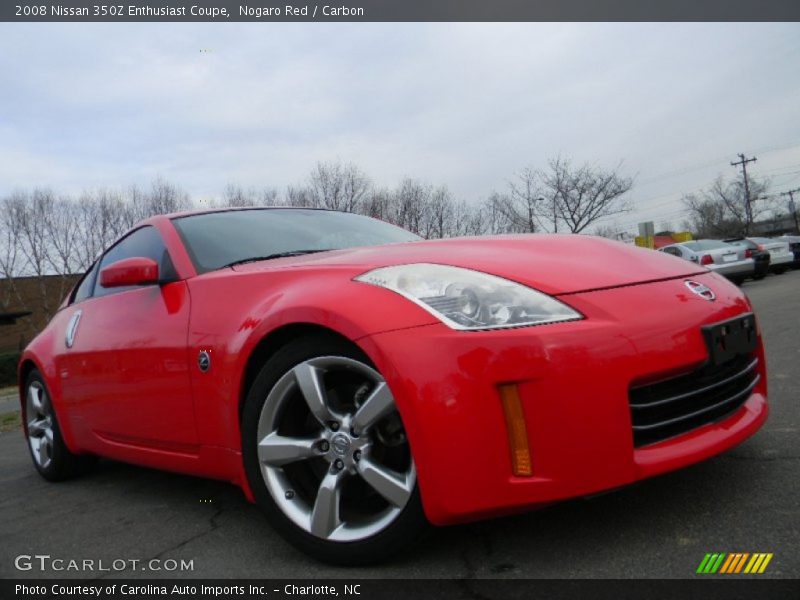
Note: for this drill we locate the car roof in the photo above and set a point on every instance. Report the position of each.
(205, 211)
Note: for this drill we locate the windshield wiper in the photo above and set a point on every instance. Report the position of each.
(242, 261)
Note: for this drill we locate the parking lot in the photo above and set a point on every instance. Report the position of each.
(743, 501)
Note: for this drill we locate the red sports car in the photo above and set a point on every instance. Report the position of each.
(358, 382)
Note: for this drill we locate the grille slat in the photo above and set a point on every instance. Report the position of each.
(702, 411)
(674, 406)
(701, 390)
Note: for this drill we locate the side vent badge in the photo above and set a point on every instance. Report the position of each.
(72, 328)
(204, 360)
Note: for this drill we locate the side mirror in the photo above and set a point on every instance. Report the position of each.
(129, 271)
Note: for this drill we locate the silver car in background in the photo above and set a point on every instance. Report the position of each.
(725, 259)
(780, 253)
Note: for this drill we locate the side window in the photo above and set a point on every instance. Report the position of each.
(84, 289)
(674, 251)
(144, 242)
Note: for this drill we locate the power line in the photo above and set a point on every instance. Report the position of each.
(708, 165)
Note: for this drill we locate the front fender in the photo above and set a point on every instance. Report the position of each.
(233, 312)
(41, 354)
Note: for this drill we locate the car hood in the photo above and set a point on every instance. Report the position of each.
(554, 264)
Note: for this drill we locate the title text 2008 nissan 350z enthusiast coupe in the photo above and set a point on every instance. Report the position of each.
(358, 382)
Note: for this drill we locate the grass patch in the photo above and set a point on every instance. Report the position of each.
(10, 421)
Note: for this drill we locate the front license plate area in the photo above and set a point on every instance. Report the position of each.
(729, 339)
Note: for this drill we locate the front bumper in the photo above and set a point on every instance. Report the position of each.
(573, 380)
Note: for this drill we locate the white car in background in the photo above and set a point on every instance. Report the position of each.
(780, 253)
(794, 244)
(731, 261)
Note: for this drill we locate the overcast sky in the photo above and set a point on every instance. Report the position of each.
(466, 105)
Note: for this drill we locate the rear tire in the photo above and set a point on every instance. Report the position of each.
(50, 455)
(337, 485)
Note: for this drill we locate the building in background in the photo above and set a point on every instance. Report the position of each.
(33, 300)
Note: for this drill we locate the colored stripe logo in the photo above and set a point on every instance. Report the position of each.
(734, 562)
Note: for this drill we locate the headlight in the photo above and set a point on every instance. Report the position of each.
(466, 299)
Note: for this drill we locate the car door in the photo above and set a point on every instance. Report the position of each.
(124, 368)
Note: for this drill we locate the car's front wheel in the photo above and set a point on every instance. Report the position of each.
(50, 454)
(326, 454)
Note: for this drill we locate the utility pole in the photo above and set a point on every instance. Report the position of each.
(748, 210)
(793, 206)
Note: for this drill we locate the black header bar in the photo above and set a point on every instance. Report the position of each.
(399, 10)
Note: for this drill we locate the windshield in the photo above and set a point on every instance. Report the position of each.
(217, 239)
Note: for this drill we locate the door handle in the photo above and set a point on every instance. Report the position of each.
(72, 328)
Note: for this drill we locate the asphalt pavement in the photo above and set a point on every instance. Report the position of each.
(743, 501)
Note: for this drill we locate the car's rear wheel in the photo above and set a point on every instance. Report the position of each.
(327, 456)
(50, 454)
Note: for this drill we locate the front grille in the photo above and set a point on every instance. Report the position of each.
(674, 406)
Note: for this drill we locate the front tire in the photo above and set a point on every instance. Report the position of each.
(326, 454)
(50, 455)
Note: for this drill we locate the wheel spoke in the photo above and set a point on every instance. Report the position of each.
(325, 514)
(309, 378)
(393, 486)
(44, 451)
(36, 426)
(377, 405)
(277, 450)
(35, 395)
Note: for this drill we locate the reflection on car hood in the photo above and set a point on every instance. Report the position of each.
(554, 264)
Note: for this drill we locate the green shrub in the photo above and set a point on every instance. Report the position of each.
(8, 368)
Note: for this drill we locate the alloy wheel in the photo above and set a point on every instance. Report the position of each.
(332, 449)
(39, 415)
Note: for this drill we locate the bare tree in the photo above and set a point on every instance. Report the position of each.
(33, 231)
(102, 218)
(11, 259)
(235, 195)
(720, 210)
(299, 196)
(524, 205)
(583, 195)
(612, 231)
(338, 186)
(269, 196)
(467, 219)
(409, 205)
(63, 229)
(377, 204)
(438, 216)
